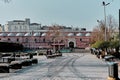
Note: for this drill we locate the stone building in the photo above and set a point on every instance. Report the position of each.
(21, 26)
(36, 40)
(33, 36)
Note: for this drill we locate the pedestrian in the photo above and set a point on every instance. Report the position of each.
(47, 52)
(98, 53)
(30, 55)
(50, 52)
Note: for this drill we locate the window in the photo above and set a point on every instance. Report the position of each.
(43, 39)
(8, 39)
(35, 40)
(15, 27)
(80, 39)
(17, 40)
(20, 27)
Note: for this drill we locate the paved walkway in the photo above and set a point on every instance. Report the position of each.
(71, 66)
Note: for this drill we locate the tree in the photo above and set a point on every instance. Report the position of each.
(98, 34)
(99, 31)
(55, 36)
(101, 44)
(112, 26)
(10, 47)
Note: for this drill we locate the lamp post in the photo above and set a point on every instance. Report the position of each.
(104, 4)
(119, 30)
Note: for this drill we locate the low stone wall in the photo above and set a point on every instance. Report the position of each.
(81, 50)
(17, 64)
(4, 68)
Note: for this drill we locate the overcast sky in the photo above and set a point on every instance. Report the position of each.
(76, 13)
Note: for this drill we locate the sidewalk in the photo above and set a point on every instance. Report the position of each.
(84, 66)
(109, 62)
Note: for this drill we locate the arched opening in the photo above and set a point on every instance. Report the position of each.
(35, 40)
(71, 44)
(17, 40)
(9, 39)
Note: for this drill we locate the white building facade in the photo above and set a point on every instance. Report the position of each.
(21, 26)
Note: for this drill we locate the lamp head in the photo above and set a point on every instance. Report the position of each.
(103, 3)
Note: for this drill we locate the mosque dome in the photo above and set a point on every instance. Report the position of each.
(19, 34)
(88, 34)
(36, 34)
(28, 34)
(44, 34)
(70, 34)
(3, 34)
(11, 34)
(79, 34)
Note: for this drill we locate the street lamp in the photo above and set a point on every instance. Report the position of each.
(119, 30)
(104, 4)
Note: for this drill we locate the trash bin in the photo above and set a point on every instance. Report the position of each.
(113, 70)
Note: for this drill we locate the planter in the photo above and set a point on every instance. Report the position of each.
(4, 68)
(15, 65)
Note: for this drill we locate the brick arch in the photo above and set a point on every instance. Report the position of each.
(71, 44)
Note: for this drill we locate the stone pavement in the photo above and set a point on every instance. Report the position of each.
(71, 66)
(92, 67)
(112, 62)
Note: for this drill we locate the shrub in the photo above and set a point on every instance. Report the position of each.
(101, 44)
(9, 47)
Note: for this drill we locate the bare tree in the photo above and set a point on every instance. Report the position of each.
(97, 34)
(99, 31)
(112, 26)
(55, 36)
